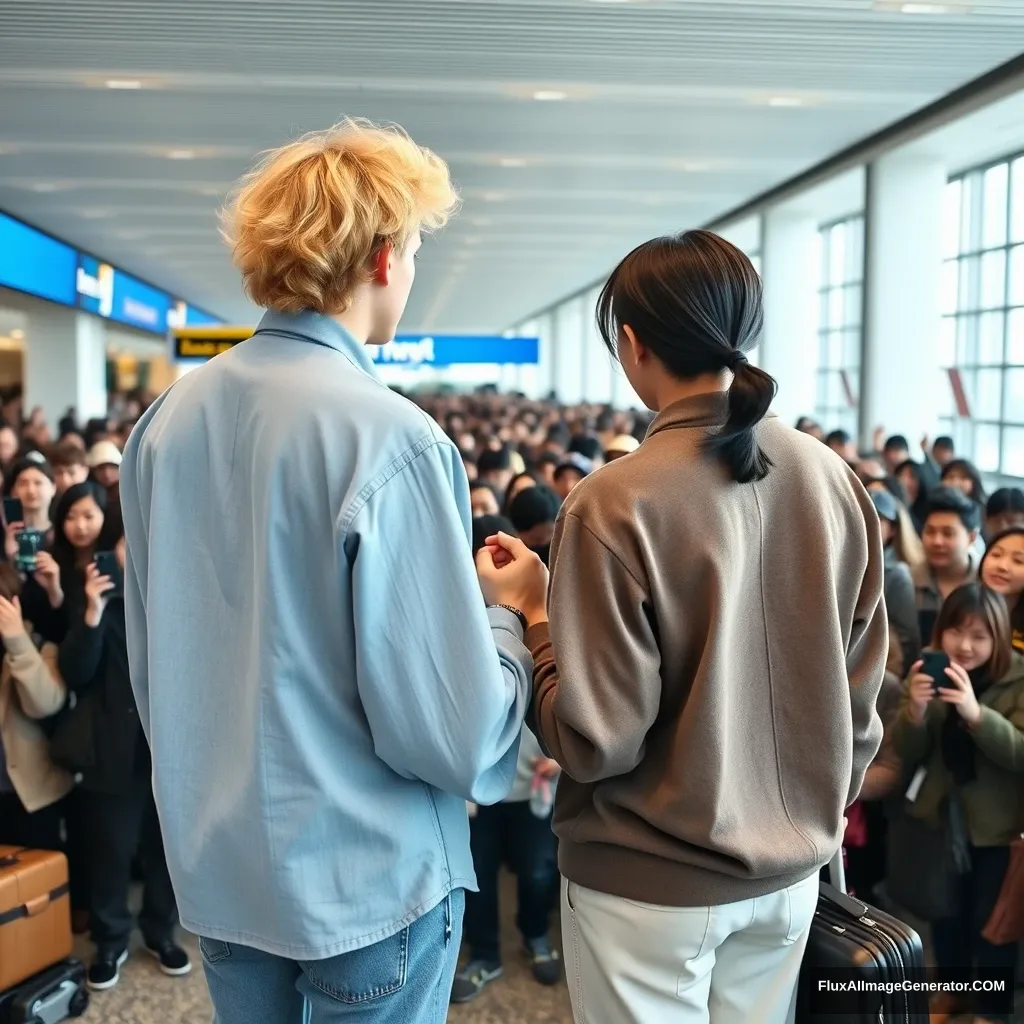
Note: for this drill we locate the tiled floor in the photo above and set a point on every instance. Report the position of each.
(145, 996)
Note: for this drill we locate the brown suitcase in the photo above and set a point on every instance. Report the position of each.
(35, 913)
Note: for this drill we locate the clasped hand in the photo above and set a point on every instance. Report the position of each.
(510, 573)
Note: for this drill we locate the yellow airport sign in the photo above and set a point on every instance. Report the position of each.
(206, 342)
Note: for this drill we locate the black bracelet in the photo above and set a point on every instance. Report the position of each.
(515, 611)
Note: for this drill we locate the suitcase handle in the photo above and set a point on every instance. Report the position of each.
(9, 861)
(836, 892)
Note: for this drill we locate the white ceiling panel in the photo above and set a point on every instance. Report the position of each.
(673, 111)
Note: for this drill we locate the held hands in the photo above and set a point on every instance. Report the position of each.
(11, 622)
(547, 768)
(47, 575)
(510, 573)
(96, 589)
(961, 695)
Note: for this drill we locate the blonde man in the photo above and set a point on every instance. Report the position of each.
(320, 684)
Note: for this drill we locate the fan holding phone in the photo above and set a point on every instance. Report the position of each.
(27, 500)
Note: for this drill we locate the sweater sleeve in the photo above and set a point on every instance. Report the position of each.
(80, 653)
(1001, 738)
(40, 689)
(594, 707)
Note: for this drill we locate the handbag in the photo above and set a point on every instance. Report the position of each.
(73, 734)
(1006, 922)
(921, 868)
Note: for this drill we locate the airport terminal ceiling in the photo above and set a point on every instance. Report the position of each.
(574, 128)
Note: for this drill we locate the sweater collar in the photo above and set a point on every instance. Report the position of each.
(318, 329)
(708, 410)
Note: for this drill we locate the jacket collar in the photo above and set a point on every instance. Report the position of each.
(710, 410)
(318, 329)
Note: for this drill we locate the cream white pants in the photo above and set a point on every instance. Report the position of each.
(637, 963)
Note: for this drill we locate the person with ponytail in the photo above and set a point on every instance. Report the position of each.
(709, 677)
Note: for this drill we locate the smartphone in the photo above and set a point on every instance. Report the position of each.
(30, 543)
(14, 512)
(934, 664)
(108, 565)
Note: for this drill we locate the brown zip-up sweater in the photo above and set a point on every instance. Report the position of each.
(714, 656)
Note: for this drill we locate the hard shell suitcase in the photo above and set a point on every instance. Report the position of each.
(51, 996)
(853, 943)
(35, 913)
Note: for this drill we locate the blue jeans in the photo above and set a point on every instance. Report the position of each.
(406, 979)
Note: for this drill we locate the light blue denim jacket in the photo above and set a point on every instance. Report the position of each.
(320, 683)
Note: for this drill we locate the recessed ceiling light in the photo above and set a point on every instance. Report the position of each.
(93, 214)
(512, 161)
(785, 101)
(924, 8)
(209, 190)
(493, 197)
(17, 334)
(123, 83)
(549, 95)
(45, 186)
(181, 154)
(480, 222)
(128, 235)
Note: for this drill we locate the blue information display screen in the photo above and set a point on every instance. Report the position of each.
(36, 263)
(111, 293)
(451, 350)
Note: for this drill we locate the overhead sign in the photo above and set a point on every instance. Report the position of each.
(413, 350)
(205, 342)
(456, 349)
(111, 293)
(33, 262)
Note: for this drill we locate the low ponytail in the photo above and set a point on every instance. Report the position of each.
(750, 397)
(696, 302)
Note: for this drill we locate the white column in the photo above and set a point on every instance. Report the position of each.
(598, 368)
(902, 380)
(65, 363)
(568, 351)
(789, 350)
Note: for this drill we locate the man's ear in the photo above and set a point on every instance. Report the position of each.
(382, 264)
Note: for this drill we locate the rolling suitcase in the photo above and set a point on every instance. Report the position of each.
(851, 946)
(35, 913)
(51, 996)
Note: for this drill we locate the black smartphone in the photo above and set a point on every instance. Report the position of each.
(14, 512)
(934, 664)
(108, 565)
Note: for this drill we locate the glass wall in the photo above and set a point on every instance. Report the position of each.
(839, 323)
(982, 336)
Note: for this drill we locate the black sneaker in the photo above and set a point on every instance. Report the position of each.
(471, 980)
(544, 961)
(105, 971)
(173, 960)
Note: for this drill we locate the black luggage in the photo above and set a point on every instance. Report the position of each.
(51, 996)
(852, 945)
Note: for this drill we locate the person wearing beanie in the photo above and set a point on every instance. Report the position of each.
(30, 480)
(624, 444)
(105, 462)
(533, 513)
(1004, 511)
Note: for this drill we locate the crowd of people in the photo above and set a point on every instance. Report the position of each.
(660, 665)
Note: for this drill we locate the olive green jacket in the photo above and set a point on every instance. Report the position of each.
(993, 801)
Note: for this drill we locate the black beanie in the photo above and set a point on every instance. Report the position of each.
(533, 506)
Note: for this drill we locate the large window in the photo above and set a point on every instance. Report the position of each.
(839, 324)
(982, 337)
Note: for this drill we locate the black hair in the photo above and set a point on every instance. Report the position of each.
(949, 499)
(971, 471)
(63, 552)
(695, 301)
(548, 458)
(1006, 499)
(490, 461)
(896, 443)
(534, 506)
(511, 486)
(838, 437)
(587, 445)
(944, 442)
(804, 423)
(487, 526)
(33, 460)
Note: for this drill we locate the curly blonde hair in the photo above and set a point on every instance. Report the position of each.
(305, 224)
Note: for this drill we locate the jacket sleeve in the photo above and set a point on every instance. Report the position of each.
(901, 605)
(135, 515)
(883, 774)
(1001, 738)
(593, 709)
(912, 742)
(41, 691)
(443, 681)
(80, 653)
(866, 656)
